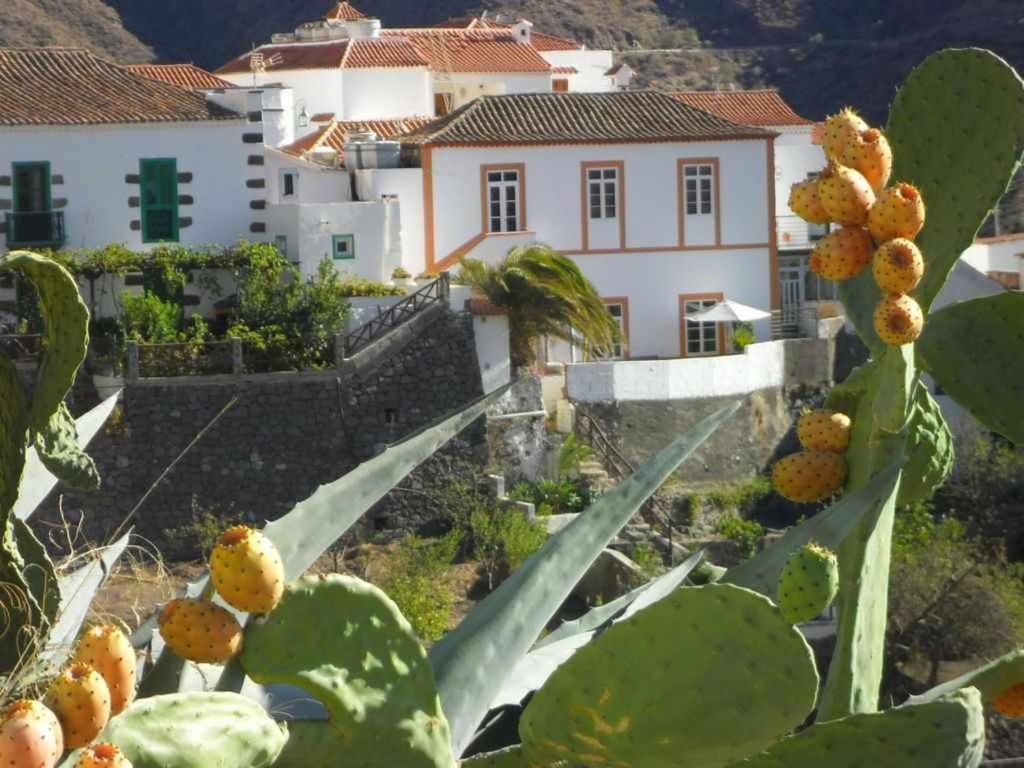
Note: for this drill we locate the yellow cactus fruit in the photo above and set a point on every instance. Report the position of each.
(843, 254)
(809, 475)
(899, 211)
(898, 320)
(824, 431)
(102, 756)
(898, 266)
(80, 699)
(109, 651)
(1010, 703)
(30, 736)
(841, 129)
(805, 202)
(869, 153)
(247, 570)
(200, 631)
(846, 195)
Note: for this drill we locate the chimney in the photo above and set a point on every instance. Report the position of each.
(523, 30)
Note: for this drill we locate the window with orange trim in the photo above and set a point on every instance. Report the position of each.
(701, 338)
(503, 202)
(699, 190)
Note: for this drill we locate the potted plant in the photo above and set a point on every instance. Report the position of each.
(402, 278)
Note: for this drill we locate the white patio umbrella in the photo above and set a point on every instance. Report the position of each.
(728, 312)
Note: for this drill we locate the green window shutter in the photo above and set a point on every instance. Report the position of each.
(344, 247)
(158, 182)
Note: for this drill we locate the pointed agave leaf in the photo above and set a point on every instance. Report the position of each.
(38, 481)
(472, 663)
(77, 590)
(313, 525)
(828, 528)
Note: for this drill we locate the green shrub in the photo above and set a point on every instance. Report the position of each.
(416, 583)
(743, 336)
(571, 454)
(745, 533)
(686, 509)
(150, 319)
(649, 559)
(502, 540)
(741, 497)
(196, 539)
(400, 273)
(357, 287)
(556, 496)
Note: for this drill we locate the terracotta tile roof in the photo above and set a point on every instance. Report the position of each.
(1009, 238)
(333, 54)
(764, 107)
(322, 117)
(564, 71)
(558, 118)
(460, 50)
(70, 86)
(618, 68)
(344, 11)
(334, 135)
(183, 75)
(541, 41)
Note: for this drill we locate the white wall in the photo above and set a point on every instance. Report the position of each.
(760, 367)
(319, 90)
(468, 85)
(491, 333)
(316, 183)
(795, 157)
(376, 227)
(592, 66)
(996, 255)
(94, 161)
(407, 185)
(381, 93)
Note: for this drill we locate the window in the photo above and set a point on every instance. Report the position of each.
(560, 85)
(503, 201)
(281, 244)
(701, 338)
(603, 186)
(619, 310)
(344, 247)
(158, 180)
(33, 220)
(699, 189)
(289, 183)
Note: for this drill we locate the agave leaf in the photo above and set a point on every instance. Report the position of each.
(990, 680)
(472, 663)
(37, 481)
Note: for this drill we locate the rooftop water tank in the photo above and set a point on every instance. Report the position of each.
(360, 155)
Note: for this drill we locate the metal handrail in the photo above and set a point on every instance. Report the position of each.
(435, 292)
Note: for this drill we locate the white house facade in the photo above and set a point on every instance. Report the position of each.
(1000, 257)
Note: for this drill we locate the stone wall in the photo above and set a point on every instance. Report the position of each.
(282, 436)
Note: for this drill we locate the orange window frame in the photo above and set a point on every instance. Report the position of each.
(520, 168)
(716, 176)
(685, 297)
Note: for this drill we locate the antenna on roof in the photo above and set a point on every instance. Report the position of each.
(258, 63)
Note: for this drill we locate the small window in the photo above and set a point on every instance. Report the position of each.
(503, 201)
(289, 183)
(603, 187)
(344, 247)
(281, 244)
(158, 183)
(617, 310)
(560, 85)
(701, 338)
(699, 183)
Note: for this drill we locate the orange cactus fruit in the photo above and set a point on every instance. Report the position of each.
(81, 700)
(898, 266)
(200, 631)
(102, 756)
(824, 431)
(1010, 703)
(846, 195)
(841, 131)
(805, 202)
(809, 475)
(247, 570)
(30, 736)
(842, 254)
(108, 650)
(869, 153)
(898, 320)
(899, 211)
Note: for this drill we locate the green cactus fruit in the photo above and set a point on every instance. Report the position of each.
(930, 453)
(13, 426)
(808, 583)
(359, 656)
(57, 447)
(732, 677)
(846, 195)
(948, 733)
(67, 330)
(195, 730)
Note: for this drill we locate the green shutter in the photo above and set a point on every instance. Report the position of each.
(158, 182)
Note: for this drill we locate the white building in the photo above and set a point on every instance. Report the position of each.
(798, 156)
(92, 153)
(1000, 257)
(666, 208)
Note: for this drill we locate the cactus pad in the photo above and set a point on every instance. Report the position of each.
(196, 730)
(512, 757)
(929, 451)
(345, 642)
(57, 447)
(949, 733)
(13, 439)
(991, 680)
(808, 584)
(67, 330)
(732, 677)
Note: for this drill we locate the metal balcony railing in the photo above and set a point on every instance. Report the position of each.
(796, 234)
(40, 229)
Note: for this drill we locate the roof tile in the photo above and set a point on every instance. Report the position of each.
(335, 134)
(477, 50)
(344, 11)
(183, 75)
(763, 107)
(556, 118)
(70, 86)
(332, 54)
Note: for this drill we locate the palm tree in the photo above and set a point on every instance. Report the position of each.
(545, 295)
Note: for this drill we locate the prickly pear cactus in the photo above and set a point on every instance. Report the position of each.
(719, 656)
(808, 584)
(58, 448)
(929, 450)
(345, 642)
(195, 730)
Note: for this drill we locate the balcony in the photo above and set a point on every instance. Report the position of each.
(795, 234)
(44, 229)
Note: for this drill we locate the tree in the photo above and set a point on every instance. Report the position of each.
(545, 294)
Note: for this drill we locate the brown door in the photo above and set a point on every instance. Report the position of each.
(561, 85)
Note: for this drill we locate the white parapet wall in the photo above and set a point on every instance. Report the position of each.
(761, 366)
